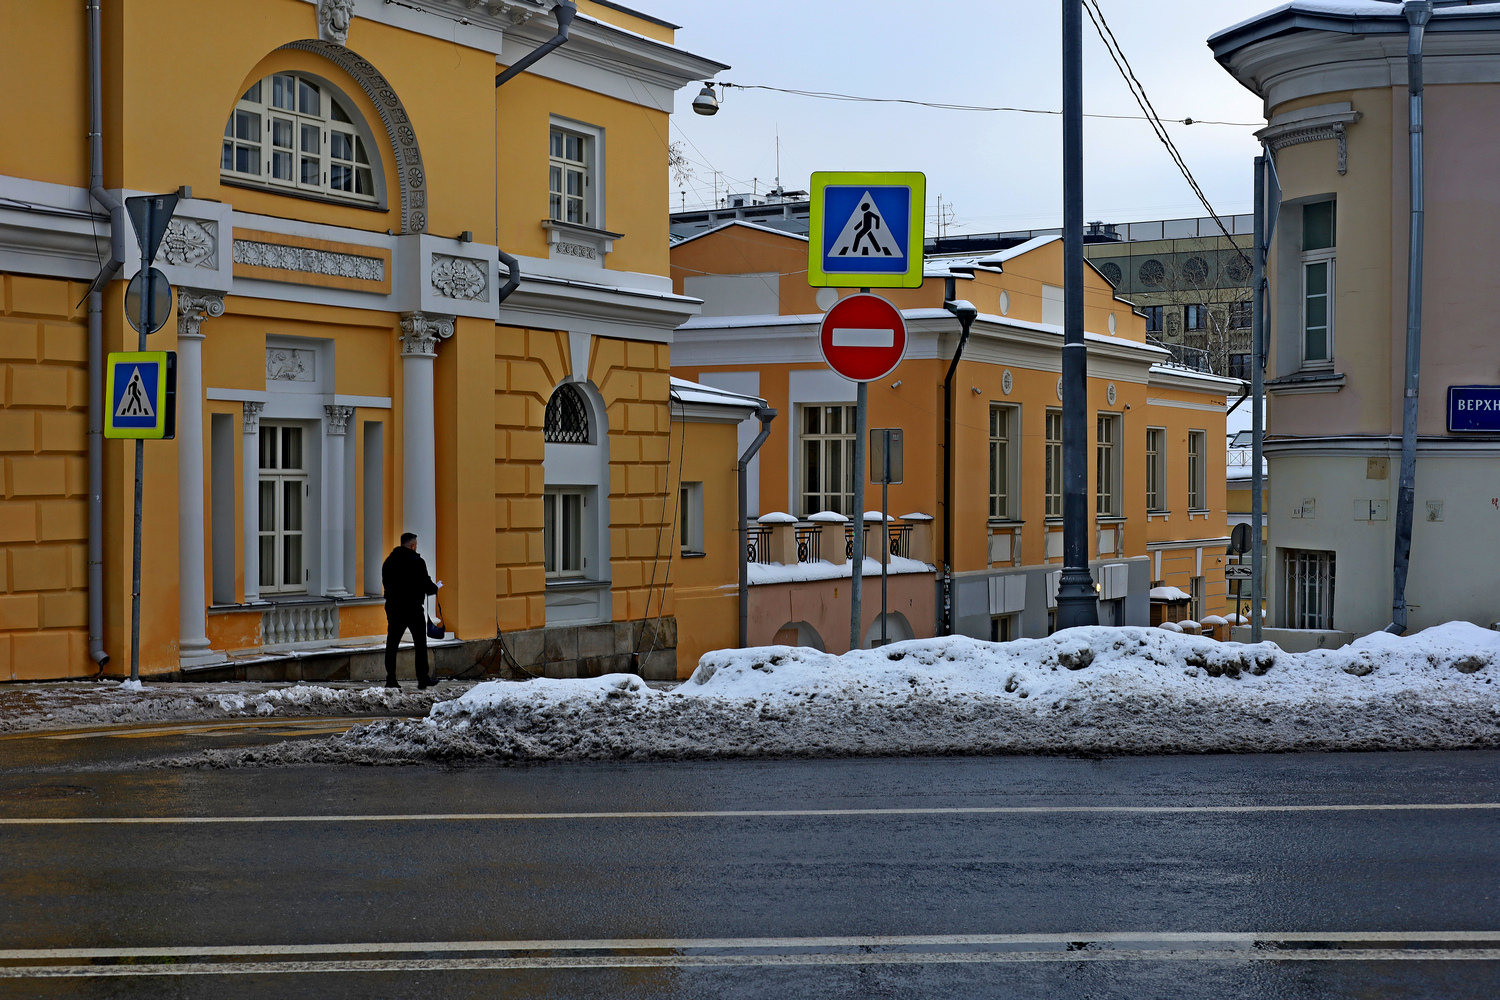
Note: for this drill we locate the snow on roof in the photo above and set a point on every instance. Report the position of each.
(1170, 594)
(1357, 10)
(685, 391)
(828, 517)
(1001, 256)
(916, 516)
(1170, 626)
(776, 517)
(737, 222)
(766, 573)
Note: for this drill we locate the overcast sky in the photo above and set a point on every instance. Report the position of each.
(999, 171)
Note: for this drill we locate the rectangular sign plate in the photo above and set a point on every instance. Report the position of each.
(866, 229)
(140, 395)
(1474, 408)
(1239, 571)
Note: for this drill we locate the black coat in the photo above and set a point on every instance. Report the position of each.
(404, 577)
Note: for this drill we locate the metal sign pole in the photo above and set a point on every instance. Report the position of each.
(148, 318)
(856, 587)
(885, 531)
(1257, 390)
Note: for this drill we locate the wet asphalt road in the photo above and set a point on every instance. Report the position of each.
(470, 884)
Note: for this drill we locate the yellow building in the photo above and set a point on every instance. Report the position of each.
(1157, 475)
(414, 293)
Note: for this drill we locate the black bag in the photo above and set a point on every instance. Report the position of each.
(435, 629)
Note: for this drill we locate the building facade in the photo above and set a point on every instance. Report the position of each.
(409, 297)
(1334, 79)
(1156, 476)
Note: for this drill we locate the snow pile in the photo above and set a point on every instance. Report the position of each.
(36, 707)
(1090, 690)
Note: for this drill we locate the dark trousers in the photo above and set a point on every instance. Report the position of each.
(398, 621)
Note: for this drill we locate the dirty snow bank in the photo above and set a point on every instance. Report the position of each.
(1090, 690)
(79, 704)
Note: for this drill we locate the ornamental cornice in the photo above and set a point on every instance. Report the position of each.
(338, 418)
(252, 416)
(194, 305)
(1327, 121)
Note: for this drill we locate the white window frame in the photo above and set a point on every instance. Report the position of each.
(1005, 504)
(592, 168)
(258, 101)
(1311, 258)
(845, 504)
(1052, 465)
(1156, 469)
(279, 478)
(690, 518)
(1107, 465)
(1197, 449)
(556, 501)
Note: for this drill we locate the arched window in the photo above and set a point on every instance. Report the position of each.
(567, 417)
(295, 132)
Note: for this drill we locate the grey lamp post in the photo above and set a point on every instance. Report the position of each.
(1077, 601)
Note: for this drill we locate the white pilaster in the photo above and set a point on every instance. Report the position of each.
(193, 305)
(335, 516)
(250, 477)
(420, 334)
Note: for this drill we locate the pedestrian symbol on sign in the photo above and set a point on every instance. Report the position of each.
(866, 233)
(133, 401)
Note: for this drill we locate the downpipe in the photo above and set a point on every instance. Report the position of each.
(765, 415)
(512, 282)
(565, 12)
(966, 314)
(117, 228)
(1418, 13)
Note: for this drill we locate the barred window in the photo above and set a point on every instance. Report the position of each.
(567, 417)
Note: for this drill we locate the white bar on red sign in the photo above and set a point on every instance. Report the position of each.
(855, 337)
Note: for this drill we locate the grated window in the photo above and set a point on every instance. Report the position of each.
(567, 418)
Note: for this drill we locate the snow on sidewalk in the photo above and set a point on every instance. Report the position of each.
(1088, 690)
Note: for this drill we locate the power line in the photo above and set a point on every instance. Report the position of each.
(824, 95)
(1138, 91)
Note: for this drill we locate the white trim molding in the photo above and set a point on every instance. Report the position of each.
(1326, 121)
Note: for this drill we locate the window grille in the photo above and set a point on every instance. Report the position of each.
(567, 417)
(1309, 588)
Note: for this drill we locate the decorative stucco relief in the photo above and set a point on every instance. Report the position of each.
(288, 364)
(459, 278)
(334, 17)
(285, 258)
(190, 243)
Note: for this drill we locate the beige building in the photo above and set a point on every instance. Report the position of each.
(1334, 78)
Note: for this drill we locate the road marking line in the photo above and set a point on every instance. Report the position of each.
(750, 814)
(703, 961)
(178, 728)
(1241, 939)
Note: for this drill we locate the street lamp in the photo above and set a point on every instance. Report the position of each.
(707, 102)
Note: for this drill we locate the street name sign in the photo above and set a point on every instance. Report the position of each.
(863, 337)
(866, 229)
(141, 394)
(1474, 408)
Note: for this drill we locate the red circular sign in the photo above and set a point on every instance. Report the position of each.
(863, 337)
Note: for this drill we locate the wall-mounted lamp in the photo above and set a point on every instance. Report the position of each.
(467, 236)
(707, 102)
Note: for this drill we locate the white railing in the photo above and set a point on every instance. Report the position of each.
(289, 623)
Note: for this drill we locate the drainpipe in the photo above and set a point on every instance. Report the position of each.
(117, 229)
(765, 415)
(513, 281)
(565, 12)
(1418, 12)
(966, 314)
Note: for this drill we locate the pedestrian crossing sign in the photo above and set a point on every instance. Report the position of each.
(866, 229)
(140, 395)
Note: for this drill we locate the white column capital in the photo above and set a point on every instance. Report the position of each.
(338, 418)
(252, 416)
(193, 306)
(421, 332)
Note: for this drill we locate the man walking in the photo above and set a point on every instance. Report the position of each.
(404, 576)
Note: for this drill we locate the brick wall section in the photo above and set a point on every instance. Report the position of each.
(633, 378)
(528, 364)
(43, 480)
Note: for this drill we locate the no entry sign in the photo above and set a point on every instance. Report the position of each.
(863, 337)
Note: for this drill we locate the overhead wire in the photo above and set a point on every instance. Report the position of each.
(1138, 91)
(825, 95)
